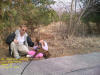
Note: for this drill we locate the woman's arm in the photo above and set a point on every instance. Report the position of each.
(29, 41)
(10, 38)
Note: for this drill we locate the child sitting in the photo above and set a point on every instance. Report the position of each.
(39, 50)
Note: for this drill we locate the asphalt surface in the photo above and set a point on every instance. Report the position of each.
(87, 64)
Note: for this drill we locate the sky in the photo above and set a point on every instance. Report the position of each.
(63, 5)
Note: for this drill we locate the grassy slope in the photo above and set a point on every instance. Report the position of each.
(58, 46)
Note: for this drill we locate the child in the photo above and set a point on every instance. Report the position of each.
(40, 49)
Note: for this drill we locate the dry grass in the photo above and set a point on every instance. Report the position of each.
(59, 46)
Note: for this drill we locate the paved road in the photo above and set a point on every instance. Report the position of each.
(87, 64)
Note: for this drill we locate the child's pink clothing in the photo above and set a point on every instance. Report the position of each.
(39, 55)
(32, 53)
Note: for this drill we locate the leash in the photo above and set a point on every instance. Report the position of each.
(26, 66)
(31, 61)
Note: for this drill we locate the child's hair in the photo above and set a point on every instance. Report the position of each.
(37, 39)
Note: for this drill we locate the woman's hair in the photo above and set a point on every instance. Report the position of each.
(22, 26)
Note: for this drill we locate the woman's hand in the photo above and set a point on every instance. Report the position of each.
(15, 41)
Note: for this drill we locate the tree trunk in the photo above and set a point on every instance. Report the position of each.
(71, 16)
(89, 28)
(98, 26)
(0, 13)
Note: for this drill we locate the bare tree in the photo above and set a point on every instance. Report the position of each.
(78, 20)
